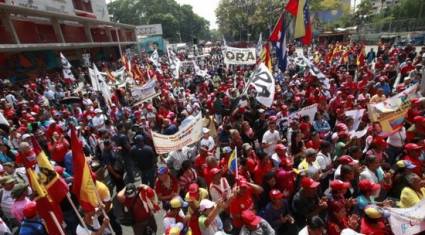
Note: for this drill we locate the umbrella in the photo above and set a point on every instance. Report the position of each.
(71, 100)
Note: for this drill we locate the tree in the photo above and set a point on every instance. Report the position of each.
(179, 22)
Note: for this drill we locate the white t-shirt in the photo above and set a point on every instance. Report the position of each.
(270, 138)
(217, 191)
(7, 203)
(98, 121)
(397, 139)
(96, 225)
(324, 161)
(208, 142)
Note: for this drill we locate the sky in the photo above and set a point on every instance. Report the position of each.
(204, 8)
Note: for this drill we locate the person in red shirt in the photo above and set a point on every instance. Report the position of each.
(250, 156)
(314, 142)
(373, 223)
(201, 160)
(26, 156)
(413, 151)
(338, 208)
(58, 147)
(264, 166)
(305, 127)
(166, 185)
(243, 200)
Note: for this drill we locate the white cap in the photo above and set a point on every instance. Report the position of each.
(205, 130)
(206, 204)
(98, 111)
(26, 136)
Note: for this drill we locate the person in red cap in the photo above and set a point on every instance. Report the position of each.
(31, 223)
(306, 202)
(377, 148)
(368, 191)
(243, 200)
(253, 224)
(193, 197)
(277, 213)
(219, 187)
(413, 152)
(416, 132)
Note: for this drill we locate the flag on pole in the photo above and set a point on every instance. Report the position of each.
(278, 38)
(259, 46)
(55, 185)
(154, 58)
(265, 56)
(83, 186)
(308, 37)
(292, 7)
(45, 206)
(66, 68)
(361, 57)
(232, 164)
(299, 21)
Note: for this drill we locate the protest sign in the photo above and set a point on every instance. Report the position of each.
(306, 111)
(357, 115)
(144, 92)
(191, 133)
(407, 220)
(263, 82)
(233, 55)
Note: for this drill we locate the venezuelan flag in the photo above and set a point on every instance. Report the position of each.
(232, 165)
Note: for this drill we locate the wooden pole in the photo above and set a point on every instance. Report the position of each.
(56, 222)
(103, 209)
(68, 196)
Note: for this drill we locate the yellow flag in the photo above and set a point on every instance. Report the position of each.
(299, 22)
(35, 185)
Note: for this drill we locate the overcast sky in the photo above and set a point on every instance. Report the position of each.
(204, 8)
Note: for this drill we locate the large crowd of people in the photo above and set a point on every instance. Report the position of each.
(295, 174)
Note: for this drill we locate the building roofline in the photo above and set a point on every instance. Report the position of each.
(11, 9)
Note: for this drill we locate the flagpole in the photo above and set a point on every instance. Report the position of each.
(76, 212)
(236, 162)
(55, 220)
(103, 208)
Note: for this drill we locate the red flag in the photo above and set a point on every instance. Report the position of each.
(292, 7)
(308, 37)
(55, 185)
(275, 35)
(46, 208)
(83, 186)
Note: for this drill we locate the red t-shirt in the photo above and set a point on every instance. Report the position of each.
(135, 205)
(261, 170)
(239, 204)
(58, 150)
(164, 191)
(373, 229)
(27, 159)
(200, 163)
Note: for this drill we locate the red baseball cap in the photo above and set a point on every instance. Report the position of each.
(346, 160)
(280, 147)
(420, 120)
(380, 142)
(250, 218)
(275, 194)
(214, 171)
(193, 190)
(272, 119)
(308, 182)
(30, 210)
(412, 146)
(339, 185)
(366, 185)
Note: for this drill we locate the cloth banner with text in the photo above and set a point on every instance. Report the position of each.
(192, 133)
(66, 68)
(407, 220)
(310, 111)
(238, 56)
(391, 113)
(264, 84)
(141, 93)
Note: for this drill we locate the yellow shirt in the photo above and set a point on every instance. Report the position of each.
(103, 191)
(409, 197)
(203, 194)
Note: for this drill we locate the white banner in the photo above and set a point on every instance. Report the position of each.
(175, 63)
(407, 220)
(317, 73)
(146, 30)
(306, 111)
(233, 55)
(263, 82)
(192, 133)
(145, 92)
(356, 115)
(66, 68)
(155, 58)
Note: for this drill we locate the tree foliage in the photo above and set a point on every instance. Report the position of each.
(179, 22)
